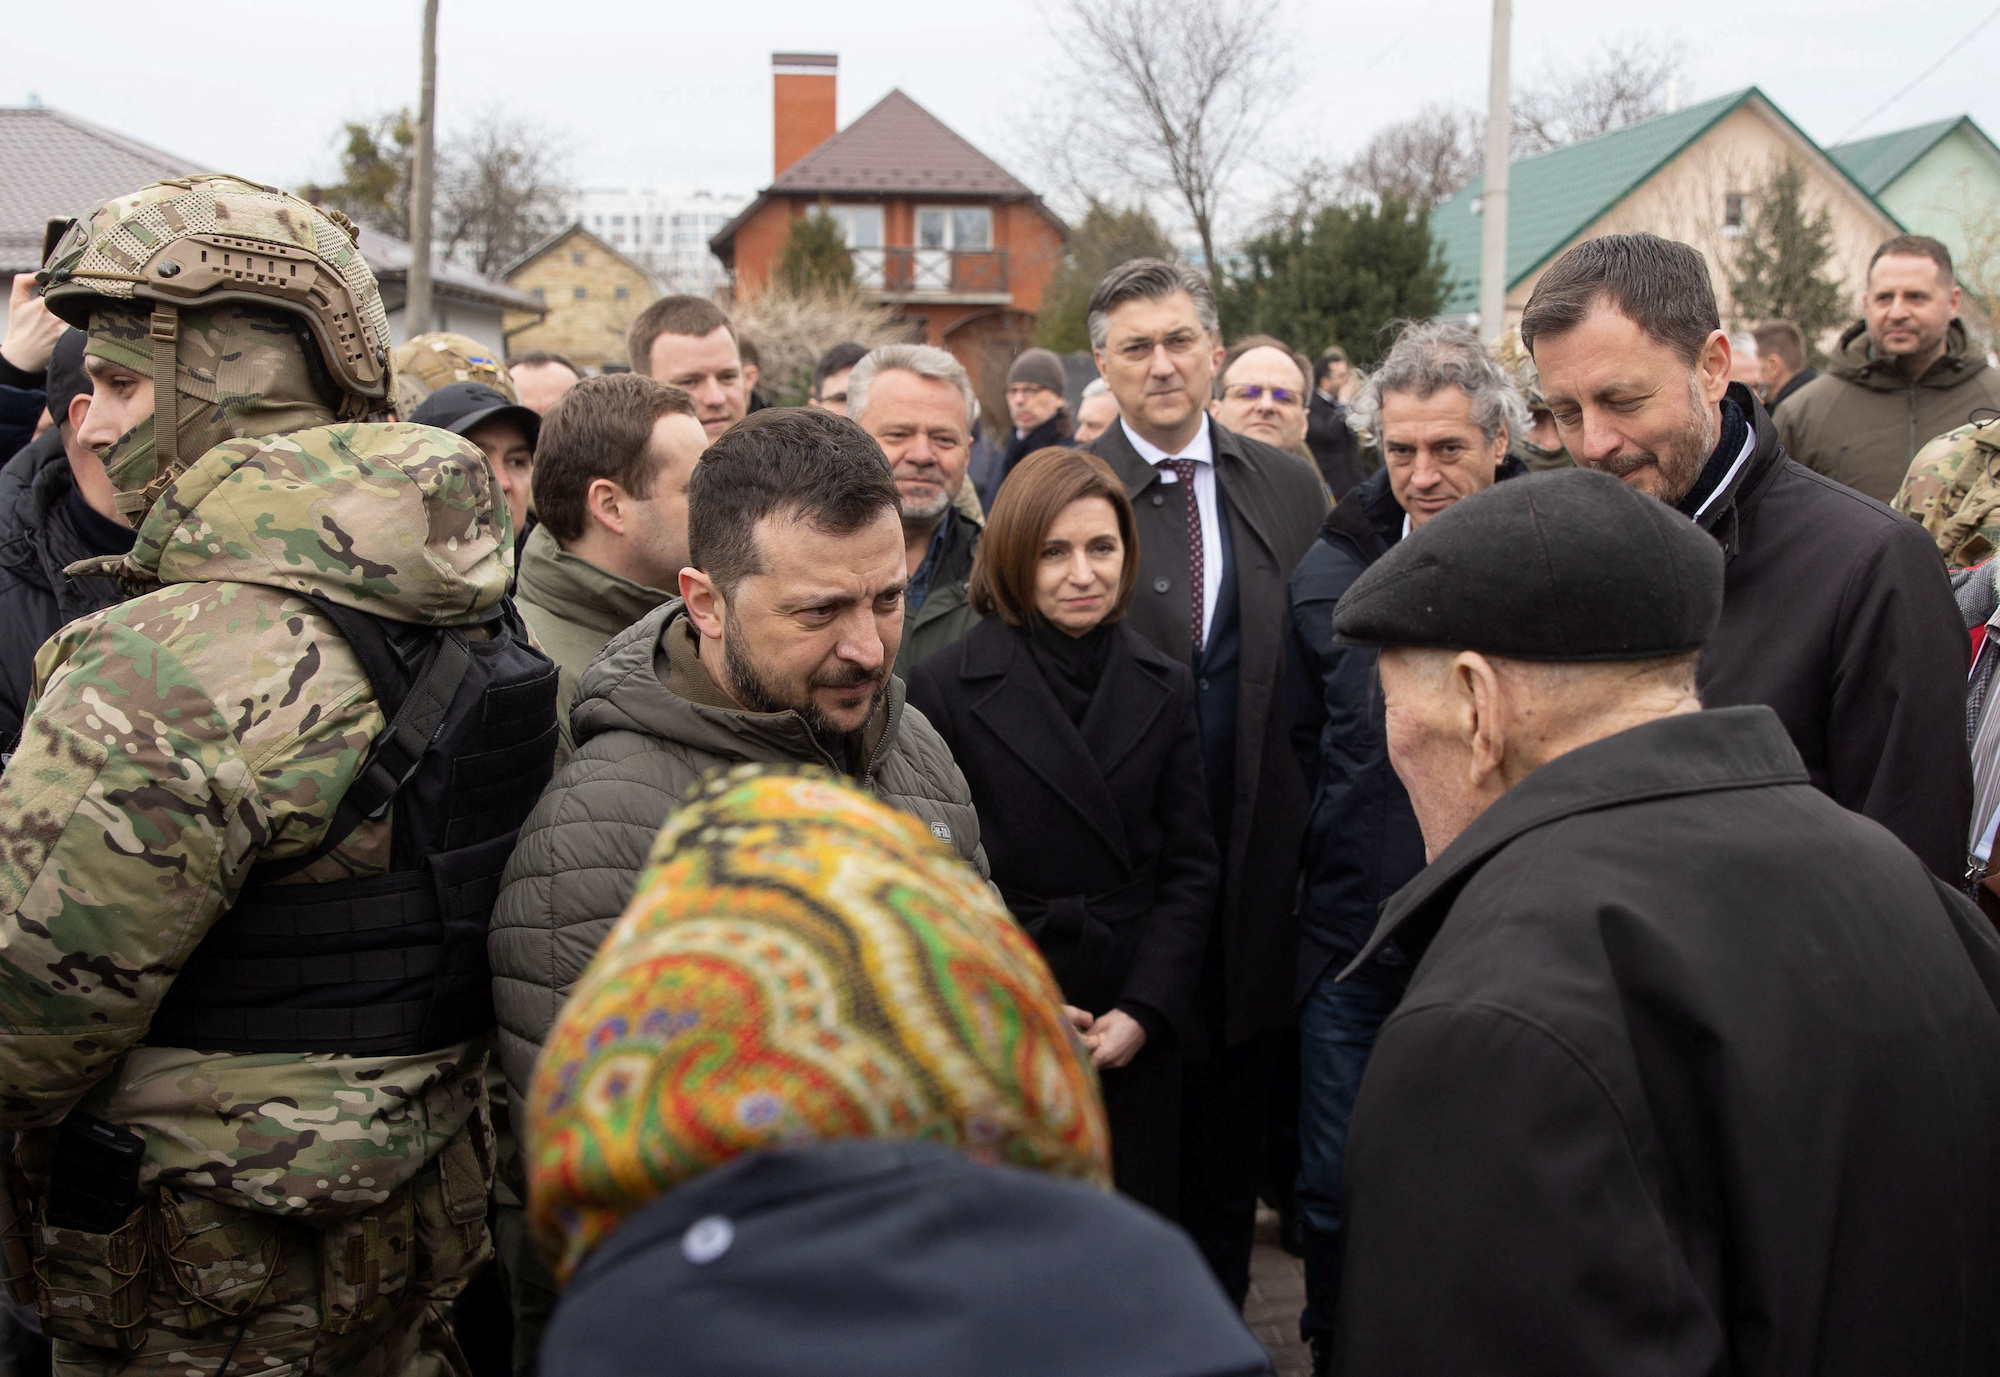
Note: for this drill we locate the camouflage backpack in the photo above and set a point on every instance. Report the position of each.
(1953, 490)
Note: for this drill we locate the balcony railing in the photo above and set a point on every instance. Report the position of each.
(946, 272)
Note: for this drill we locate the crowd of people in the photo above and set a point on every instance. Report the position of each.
(510, 871)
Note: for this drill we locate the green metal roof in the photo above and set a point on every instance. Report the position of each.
(1881, 160)
(1554, 196)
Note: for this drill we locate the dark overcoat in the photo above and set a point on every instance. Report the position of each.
(1275, 506)
(1097, 832)
(1836, 613)
(1697, 1073)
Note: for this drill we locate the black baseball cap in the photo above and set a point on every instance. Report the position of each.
(67, 380)
(461, 407)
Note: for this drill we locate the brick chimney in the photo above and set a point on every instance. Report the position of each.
(801, 105)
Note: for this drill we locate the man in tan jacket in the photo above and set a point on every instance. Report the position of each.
(1901, 375)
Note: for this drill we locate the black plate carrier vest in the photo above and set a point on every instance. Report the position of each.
(393, 964)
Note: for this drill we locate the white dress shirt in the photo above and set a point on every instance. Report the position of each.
(1201, 449)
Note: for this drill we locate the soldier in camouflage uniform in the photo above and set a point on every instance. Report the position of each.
(1539, 448)
(298, 1211)
(1953, 490)
(428, 362)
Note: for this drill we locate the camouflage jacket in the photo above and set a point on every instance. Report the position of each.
(1953, 490)
(211, 722)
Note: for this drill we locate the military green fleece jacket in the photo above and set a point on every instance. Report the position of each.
(574, 607)
(1863, 420)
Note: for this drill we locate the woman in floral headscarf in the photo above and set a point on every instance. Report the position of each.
(811, 1109)
(799, 963)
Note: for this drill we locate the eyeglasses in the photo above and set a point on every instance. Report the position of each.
(1178, 344)
(1252, 392)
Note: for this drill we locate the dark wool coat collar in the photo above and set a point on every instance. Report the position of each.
(1732, 504)
(1695, 753)
(1136, 689)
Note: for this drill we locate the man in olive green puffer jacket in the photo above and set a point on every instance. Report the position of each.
(1901, 375)
(779, 652)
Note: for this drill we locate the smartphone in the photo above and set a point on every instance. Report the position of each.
(96, 1179)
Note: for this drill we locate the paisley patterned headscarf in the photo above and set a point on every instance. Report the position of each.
(799, 963)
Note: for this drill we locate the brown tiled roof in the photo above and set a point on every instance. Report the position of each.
(56, 165)
(898, 147)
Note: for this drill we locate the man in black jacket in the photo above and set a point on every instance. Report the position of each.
(1697, 1072)
(1447, 415)
(1036, 391)
(1334, 445)
(1836, 612)
(55, 509)
(1222, 521)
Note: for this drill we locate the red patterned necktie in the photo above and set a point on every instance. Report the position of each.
(1184, 469)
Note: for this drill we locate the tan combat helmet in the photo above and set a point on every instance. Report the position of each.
(1512, 355)
(195, 242)
(440, 358)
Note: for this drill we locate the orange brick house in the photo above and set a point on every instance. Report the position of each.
(959, 246)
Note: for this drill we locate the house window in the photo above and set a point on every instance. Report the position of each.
(1735, 214)
(577, 258)
(861, 226)
(618, 222)
(541, 294)
(581, 293)
(619, 293)
(966, 228)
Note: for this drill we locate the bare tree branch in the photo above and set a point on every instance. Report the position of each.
(1168, 98)
(1626, 82)
(502, 186)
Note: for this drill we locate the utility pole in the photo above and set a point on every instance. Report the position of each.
(1493, 205)
(423, 179)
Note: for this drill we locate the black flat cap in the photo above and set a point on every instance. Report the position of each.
(1561, 566)
(459, 407)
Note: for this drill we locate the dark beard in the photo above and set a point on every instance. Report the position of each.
(749, 688)
(1683, 458)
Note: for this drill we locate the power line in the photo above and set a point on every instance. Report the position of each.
(1949, 54)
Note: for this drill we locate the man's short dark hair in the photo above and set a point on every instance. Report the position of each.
(1917, 246)
(600, 428)
(746, 350)
(842, 356)
(1327, 359)
(1659, 285)
(673, 315)
(536, 358)
(1784, 339)
(795, 462)
(1148, 279)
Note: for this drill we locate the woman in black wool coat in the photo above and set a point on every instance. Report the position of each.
(1079, 741)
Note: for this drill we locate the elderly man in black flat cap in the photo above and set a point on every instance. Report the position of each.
(1697, 1072)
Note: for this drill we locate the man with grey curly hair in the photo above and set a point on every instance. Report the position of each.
(1443, 413)
(917, 402)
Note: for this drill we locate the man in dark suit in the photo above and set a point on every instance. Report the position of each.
(1334, 445)
(1222, 521)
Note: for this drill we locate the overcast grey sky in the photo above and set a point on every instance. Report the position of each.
(678, 95)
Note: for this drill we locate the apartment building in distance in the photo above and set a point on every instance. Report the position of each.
(665, 232)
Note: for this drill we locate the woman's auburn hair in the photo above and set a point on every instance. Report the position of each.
(1032, 497)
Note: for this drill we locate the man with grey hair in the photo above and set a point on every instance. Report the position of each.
(1095, 411)
(917, 402)
(1444, 413)
(1221, 520)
